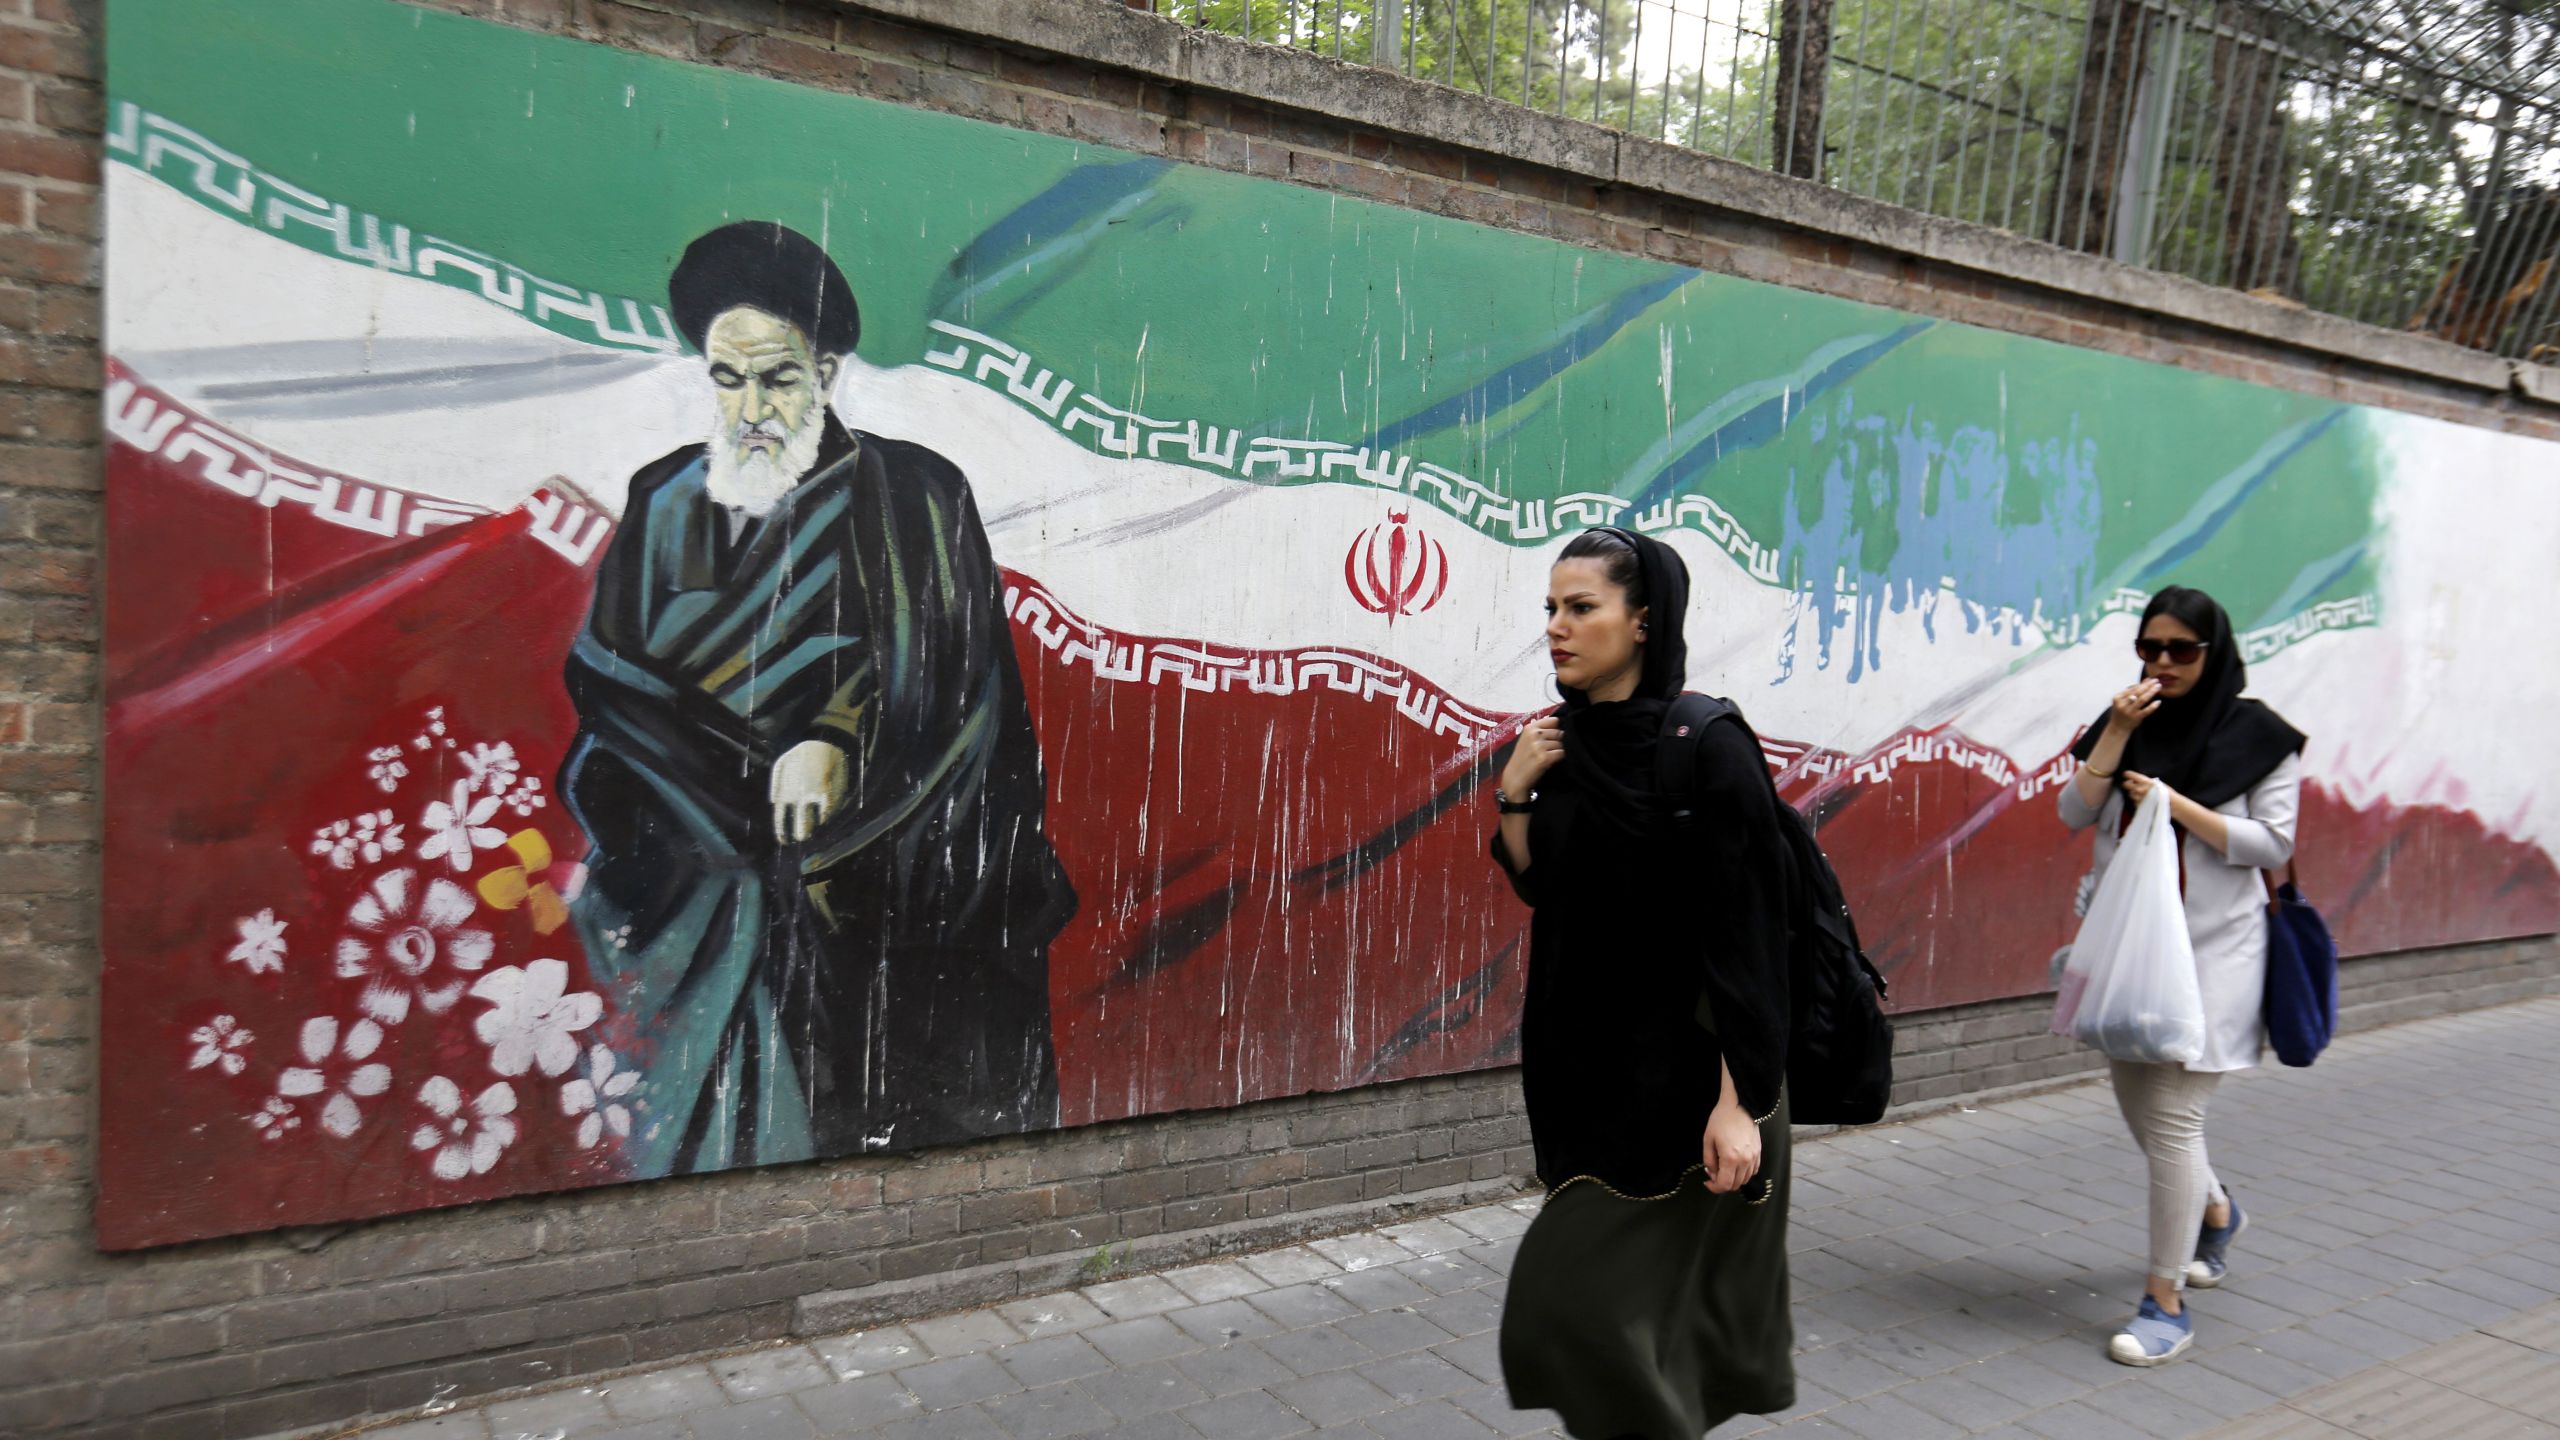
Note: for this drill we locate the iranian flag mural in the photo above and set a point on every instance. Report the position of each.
(660, 620)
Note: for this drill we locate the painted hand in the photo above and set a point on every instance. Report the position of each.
(809, 782)
(1731, 1149)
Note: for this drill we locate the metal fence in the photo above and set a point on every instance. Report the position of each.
(2393, 161)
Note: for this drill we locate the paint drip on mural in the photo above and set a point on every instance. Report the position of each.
(634, 649)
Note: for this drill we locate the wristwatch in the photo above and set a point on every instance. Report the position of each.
(1509, 806)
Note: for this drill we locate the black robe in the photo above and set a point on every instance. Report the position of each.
(885, 984)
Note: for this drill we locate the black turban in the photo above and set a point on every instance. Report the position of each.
(772, 267)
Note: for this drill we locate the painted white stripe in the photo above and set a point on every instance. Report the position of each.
(253, 332)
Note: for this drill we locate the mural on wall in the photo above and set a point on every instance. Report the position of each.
(660, 620)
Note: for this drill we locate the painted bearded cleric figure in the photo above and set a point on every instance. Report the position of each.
(804, 760)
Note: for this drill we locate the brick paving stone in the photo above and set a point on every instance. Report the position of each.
(1491, 1406)
(1394, 1332)
(761, 1373)
(1478, 1355)
(1333, 1397)
(1466, 1312)
(579, 1412)
(461, 1425)
(967, 1333)
(1234, 1369)
(1490, 1222)
(1375, 1290)
(942, 1384)
(1044, 1315)
(1053, 1361)
(1136, 1296)
(1429, 1237)
(2256, 1365)
(1134, 1342)
(1297, 1306)
(777, 1418)
(680, 1390)
(1890, 1417)
(1207, 1284)
(1135, 1390)
(870, 1352)
(859, 1406)
(966, 1423)
(1254, 1415)
(1495, 1255)
(2156, 1410)
(1049, 1413)
(2218, 1395)
(1418, 1376)
(1293, 1266)
(1430, 1420)
(1958, 1398)
(1447, 1274)
(646, 1430)
(1363, 1251)
(1224, 1321)
(1317, 1349)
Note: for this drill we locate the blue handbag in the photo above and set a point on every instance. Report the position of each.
(2301, 1007)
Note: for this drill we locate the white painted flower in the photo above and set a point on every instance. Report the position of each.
(335, 1065)
(531, 1020)
(527, 796)
(459, 828)
(491, 769)
(408, 940)
(433, 735)
(387, 767)
(370, 836)
(261, 946)
(464, 1141)
(220, 1044)
(597, 1095)
(276, 1117)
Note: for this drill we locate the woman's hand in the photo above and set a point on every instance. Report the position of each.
(1540, 746)
(1731, 1148)
(2138, 787)
(2133, 705)
(2209, 826)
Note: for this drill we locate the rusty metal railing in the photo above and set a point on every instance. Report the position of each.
(2393, 161)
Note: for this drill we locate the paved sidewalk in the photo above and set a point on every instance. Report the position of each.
(1955, 1276)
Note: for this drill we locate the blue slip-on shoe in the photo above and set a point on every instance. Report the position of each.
(2153, 1336)
(2213, 1246)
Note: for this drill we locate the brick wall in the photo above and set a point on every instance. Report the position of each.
(249, 1336)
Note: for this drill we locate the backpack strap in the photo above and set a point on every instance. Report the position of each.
(1675, 756)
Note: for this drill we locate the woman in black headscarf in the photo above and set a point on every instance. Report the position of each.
(2231, 771)
(1649, 1298)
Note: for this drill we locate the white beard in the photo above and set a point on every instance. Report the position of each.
(758, 482)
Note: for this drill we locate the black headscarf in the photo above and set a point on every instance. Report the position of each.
(1608, 745)
(2212, 743)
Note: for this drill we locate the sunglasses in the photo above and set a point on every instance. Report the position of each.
(2180, 652)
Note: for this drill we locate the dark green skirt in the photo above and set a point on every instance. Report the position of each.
(1659, 1317)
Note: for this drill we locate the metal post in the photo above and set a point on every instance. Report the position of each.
(2146, 145)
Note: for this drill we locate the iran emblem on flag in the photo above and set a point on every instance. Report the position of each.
(1394, 569)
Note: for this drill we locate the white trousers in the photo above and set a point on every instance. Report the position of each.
(2164, 1107)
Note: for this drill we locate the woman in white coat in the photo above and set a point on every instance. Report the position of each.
(2232, 771)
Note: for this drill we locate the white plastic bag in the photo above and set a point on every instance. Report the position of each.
(2129, 987)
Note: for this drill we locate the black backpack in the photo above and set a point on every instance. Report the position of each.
(1839, 1043)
